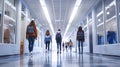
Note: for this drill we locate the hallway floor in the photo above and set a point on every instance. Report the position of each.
(66, 59)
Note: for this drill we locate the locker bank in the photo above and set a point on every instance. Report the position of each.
(99, 19)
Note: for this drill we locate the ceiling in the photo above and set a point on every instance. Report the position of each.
(60, 12)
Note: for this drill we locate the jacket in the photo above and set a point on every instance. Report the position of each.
(80, 39)
(34, 34)
(48, 38)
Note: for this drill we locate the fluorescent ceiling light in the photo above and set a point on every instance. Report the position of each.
(99, 20)
(43, 4)
(108, 13)
(73, 15)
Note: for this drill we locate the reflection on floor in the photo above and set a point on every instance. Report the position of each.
(66, 59)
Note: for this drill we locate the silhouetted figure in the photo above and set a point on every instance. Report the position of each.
(80, 38)
(47, 40)
(31, 35)
(70, 45)
(58, 40)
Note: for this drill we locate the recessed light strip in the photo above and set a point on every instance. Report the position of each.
(78, 2)
(43, 4)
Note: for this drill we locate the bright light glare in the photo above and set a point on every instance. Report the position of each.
(73, 15)
(108, 13)
(43, 4)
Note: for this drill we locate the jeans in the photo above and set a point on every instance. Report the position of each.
(80, 45)
(31, 40)
(47, 45)
(59, 46)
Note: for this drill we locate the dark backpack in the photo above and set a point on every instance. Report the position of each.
(58, 36)
(30, 30)
(80, 35)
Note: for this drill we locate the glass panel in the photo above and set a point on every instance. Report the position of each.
(9, 11)
(0, 6)
(86, 36)
(119, 17)
(9, 31)
(111, 24)
(23, 8)
(84, 22)
(100, 35)
(90, 16)
(1, 20)
(100, 24)
(99, 7)
(9, 26)
(28, 15)
(100, 19)
(13, 2)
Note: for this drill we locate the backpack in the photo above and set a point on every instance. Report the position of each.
(80, 35)
(58, 36)
(30, 30)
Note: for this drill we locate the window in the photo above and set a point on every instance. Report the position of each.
(1, 20)
(13, 2)
(119, 16)
(10, 11)
(111, 23)
(23, 8)
(85, 22)
(9, 23)
(90, 16)
(86, 35)
(0, 6)
(100, 24)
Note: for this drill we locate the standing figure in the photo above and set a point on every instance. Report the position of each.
(70, 45)
(63, 46)
(80, 38)
(47, 40)
(58, 40)
(31, 35)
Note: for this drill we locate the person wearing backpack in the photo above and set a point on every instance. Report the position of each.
(47, 40)
(80, 38)
(31, 35)
(58, 41)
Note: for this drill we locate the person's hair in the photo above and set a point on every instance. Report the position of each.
(47, 32)
(80, 28)
(59, 30)
(32, 23)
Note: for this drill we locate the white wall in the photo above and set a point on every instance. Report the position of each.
(107, 49)
(8, 49)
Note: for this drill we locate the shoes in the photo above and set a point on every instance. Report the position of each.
(58, 52)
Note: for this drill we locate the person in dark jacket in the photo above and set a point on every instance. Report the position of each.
(58, 40)
(80, 38)
(47, 40)
(31, 35)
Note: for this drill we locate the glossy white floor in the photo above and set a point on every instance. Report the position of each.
(65, 59)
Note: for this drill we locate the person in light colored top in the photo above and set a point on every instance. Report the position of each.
(47, 40)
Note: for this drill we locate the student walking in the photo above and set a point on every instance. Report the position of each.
(31, 35)
(70, 45)
(47, 40)
(58, 40)
(80, 38)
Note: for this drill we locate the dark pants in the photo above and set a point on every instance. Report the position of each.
(80, 45)
(31, 40)
(59, 46)
(47, 45)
